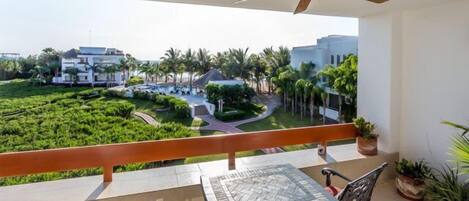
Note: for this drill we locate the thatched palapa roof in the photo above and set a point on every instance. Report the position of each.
(212, 75)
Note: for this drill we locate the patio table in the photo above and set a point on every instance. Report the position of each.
(279, 183)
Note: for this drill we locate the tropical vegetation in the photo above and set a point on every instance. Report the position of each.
(46, 117)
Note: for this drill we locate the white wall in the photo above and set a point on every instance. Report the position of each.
(435, 78)
(413, 74)
(378, 77)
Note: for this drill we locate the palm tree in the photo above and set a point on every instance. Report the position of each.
(323, 95)
(258, 70)
(110, 69)
(73, 72)
(204, 61)
(95, 68)
(239, 60)
(145, 68)
(155, 71)
(173, 61)
(190, 63)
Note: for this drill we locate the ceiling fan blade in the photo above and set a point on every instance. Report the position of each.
(378, 1)
(302, 6)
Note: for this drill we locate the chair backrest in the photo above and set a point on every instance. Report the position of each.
(361, 189)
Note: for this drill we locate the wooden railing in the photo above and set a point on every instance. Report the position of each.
(108, 156)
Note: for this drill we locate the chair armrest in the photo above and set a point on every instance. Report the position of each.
(328, 172)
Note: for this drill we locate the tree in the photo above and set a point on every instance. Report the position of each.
(204, 61)
(190, 63)
(343, 79)
(145, 68)
(127, 64)
(258, 70)
(239, 60)
(155, 71)
(73, 73)
(95, 68)
(49, 58)
(323, 94)
(110, 69)
(39, 74)
(172, 58)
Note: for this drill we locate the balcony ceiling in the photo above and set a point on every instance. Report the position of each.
(346, 8)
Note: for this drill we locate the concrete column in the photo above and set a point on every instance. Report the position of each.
(379, 76)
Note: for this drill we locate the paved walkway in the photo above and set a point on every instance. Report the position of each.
(271, 102)
(147, 118)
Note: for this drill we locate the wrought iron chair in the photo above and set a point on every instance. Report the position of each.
(359, 189)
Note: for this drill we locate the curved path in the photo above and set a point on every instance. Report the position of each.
(147, 118)
(271, 102)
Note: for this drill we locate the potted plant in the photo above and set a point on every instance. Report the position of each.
(410, 182)
(367, 140)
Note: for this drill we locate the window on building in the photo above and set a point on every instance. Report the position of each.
(332, 59)
(338, 59)
(334, 102)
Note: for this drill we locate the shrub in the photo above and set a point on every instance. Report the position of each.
(135, 80)
(365, 128)
(114, 93)
(416, 170)
(182, 109)
(164, 100)
(143, 95)
(231, 94)
(122, 109)
(230, 115)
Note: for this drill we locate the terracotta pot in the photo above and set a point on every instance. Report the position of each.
(367, 146)
(410, 188)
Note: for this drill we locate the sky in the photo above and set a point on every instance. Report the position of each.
(146, 29)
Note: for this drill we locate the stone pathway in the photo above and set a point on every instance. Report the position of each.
(147, 118)
(271, 102)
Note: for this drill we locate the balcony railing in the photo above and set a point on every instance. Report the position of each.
(108, 156)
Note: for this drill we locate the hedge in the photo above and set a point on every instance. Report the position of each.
(230, 115)
(135, 80)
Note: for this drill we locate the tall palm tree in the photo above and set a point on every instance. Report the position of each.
(258, 70)
(155, 72)
(73, 73)
(95, 68)
(172, 58)
(190, 63)
(239, 60)
(145, 68)
(204, 61)
(110, 69)
(323, 94)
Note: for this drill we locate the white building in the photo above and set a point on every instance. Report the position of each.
(330, 50)
(85, 59)
(9, 56)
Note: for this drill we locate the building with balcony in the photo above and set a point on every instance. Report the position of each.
(330, 50)
(90, 62)
(412, 75)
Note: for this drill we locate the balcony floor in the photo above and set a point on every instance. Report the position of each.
(183, 182)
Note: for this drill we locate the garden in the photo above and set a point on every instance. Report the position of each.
(237, 102)
(47, 117)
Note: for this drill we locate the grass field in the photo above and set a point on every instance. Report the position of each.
(283, 120)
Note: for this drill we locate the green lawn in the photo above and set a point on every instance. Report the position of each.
(283, 120)
(279, 120)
